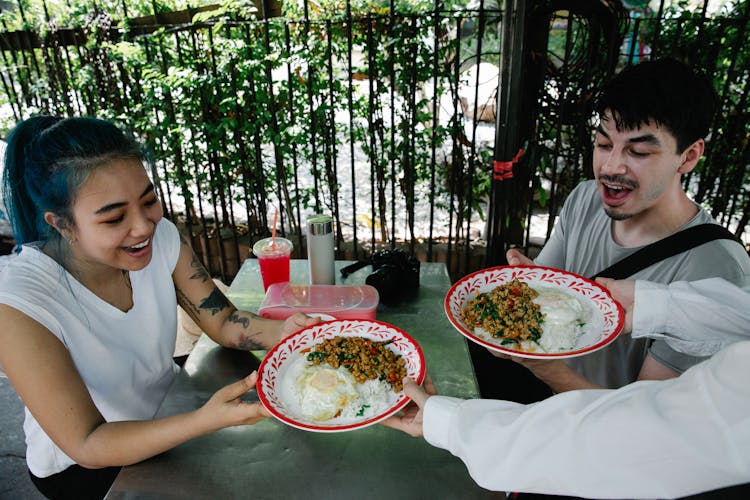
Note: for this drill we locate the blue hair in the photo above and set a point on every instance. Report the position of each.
(47, 160)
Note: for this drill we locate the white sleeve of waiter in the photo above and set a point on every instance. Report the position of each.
(699, 317)
(650, 439)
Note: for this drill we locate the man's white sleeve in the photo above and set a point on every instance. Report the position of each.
(697, 318)
(650, 439)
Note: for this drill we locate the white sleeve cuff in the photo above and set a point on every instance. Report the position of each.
(650, 308)
(439, 413)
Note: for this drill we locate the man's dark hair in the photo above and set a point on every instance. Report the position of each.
(665, 92)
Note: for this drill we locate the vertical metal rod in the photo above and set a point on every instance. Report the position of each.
(560, 125)
(8, 86)
(285, 211)
(657, 30)
(457, 131)
(350, 100)
(435, 121)
(292, 124)
(392, 152)
(331, 157)
(473, 143)
(375, 167)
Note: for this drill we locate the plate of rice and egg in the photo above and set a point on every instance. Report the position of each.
(534, 312)
(339, 375)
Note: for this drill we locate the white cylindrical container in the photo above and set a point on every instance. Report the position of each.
(320, 250)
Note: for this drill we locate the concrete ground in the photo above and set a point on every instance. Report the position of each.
(14, 477)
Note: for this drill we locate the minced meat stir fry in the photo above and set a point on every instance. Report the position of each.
(507, 312)
(366, 359)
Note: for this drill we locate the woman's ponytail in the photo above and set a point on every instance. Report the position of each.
(23, 213)
(47, 161)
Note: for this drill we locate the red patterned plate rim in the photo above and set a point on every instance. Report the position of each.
(373, 329)
(484, 280)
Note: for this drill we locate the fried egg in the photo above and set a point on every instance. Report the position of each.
(324, 392)
(564, 316)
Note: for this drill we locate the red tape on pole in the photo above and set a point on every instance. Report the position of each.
(502, 170)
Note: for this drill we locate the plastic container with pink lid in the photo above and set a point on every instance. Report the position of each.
(326, 301)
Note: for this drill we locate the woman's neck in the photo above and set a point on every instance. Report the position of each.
(108, 283)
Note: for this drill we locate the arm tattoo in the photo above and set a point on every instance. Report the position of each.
(249, 344)
(187, 305)
(215, 302)
(200, 272)
(246, 340)
(236, 318)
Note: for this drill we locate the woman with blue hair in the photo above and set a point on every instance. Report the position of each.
(89, 308)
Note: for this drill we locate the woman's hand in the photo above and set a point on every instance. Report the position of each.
(295, 323)
(623, 291)
(226, 409)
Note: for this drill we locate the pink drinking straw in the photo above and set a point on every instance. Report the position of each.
(273, 229)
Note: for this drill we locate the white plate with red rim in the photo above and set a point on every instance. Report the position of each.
(606, 321)
(274, 372)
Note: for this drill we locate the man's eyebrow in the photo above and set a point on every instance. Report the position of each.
(645, 138)
(116, 205)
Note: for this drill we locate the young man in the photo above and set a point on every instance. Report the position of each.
(653, 118)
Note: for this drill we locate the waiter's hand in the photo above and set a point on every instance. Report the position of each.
(623, 291)
(410, 419)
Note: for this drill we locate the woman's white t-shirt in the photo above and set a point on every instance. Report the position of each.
(124, 358)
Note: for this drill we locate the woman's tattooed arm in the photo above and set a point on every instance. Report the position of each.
(205, 302)
(215, 303)
(247, 339)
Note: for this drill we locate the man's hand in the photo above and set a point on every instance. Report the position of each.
(516, 258)
(553, 372)
(623, 291)
(543, 369)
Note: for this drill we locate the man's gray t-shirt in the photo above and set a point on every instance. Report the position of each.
(582, 243)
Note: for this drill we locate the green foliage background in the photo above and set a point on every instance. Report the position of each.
(235, 107)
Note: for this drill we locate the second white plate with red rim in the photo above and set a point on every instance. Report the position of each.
(607, 315)
(274, 372)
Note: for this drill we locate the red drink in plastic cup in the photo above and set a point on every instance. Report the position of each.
(273, 259)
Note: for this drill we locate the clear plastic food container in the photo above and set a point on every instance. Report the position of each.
(327, 301)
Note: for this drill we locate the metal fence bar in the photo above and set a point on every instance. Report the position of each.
(233, 137)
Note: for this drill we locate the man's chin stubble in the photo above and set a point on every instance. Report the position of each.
(615, 215)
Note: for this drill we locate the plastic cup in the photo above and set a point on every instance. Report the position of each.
(273, 259)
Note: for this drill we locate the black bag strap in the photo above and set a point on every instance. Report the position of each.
(674, 244)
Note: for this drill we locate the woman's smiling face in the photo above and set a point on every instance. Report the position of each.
(115, 214)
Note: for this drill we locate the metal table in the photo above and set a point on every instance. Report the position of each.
(275, 461)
